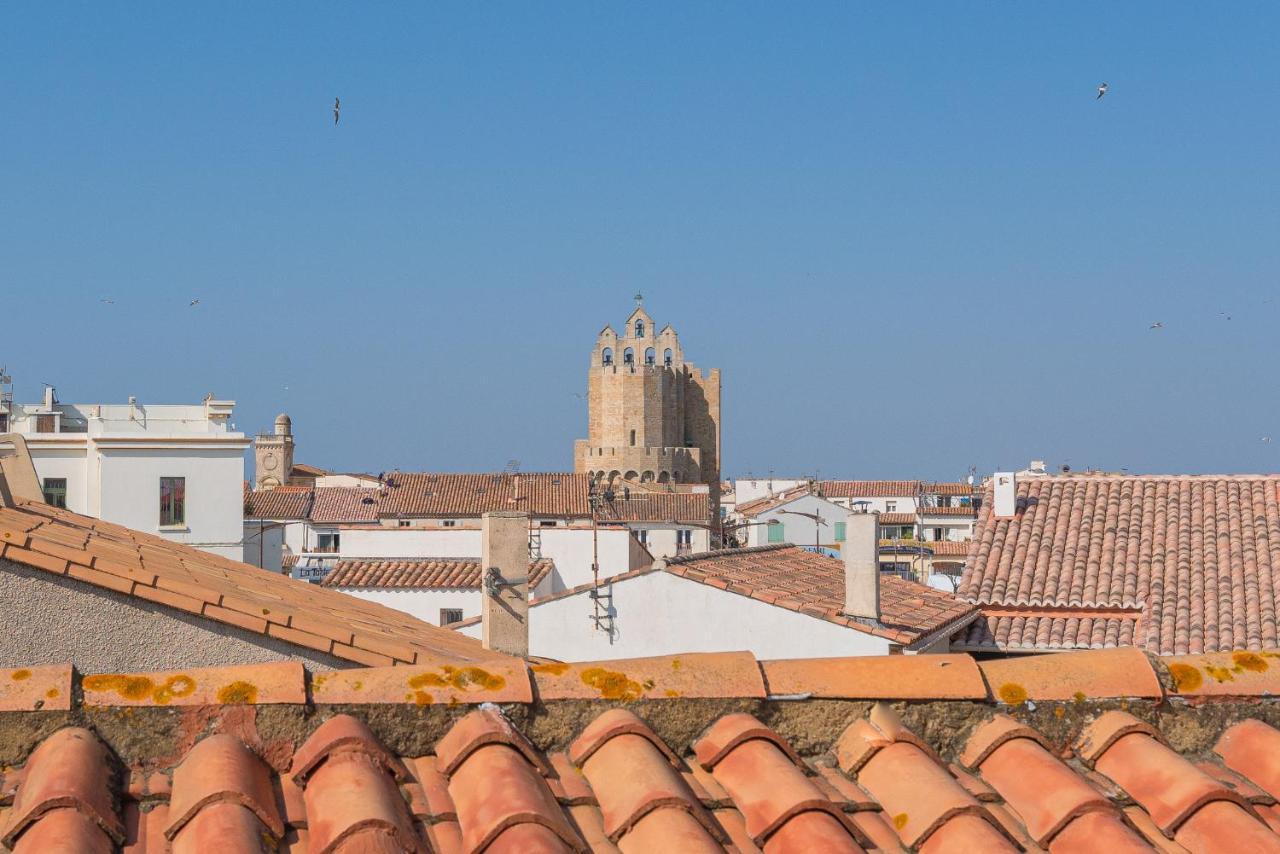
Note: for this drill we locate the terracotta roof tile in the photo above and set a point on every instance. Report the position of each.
(280, 504)
(216, 588)
(693, 675)
(1197, 558)
(870, 488)
(419, 573)
(1097, 674)
(369, 778)
(32, 688)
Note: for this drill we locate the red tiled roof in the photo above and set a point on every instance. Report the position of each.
(1196, 557)
(947, 548)
(280, 503)
(561, 495)
(869, 488)
(949, 488)
(970, 511)
(578, 765)
(897, 518)
(334, 504)
(420, 573)
(800, 580)
(151, 568)
(756, 506)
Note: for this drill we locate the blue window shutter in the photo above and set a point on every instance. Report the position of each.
(839, 532)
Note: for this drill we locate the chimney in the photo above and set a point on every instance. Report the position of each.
(861, 553)
(504, 562)
(1005, 503)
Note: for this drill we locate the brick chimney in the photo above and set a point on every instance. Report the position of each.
(861, 553)
(1004, 504)
(504, 563)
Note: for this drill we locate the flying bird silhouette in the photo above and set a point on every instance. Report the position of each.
(1156, 325)
(107, 301)
(337, 109)
(193, 303)
(1102, 90)
(1266, 440)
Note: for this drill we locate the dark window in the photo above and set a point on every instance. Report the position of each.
(448, 523)
(628, 356)
(55, 492)
(650, 356)
(328, 542)
(547, 523)
(666, 357)
(633, 437)
(4, 422)
(607, 356)
(405, 523)
(450, 615)
(639, 328)
(173, 501)
(45, 423)
(642, 536)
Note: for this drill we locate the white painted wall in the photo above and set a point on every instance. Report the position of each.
(378, 541)
(661, 540)
(423, 604)
(798, 529)
(882, 504)
(263, 543)
(663, 614)
(752, 488)
(130, 494)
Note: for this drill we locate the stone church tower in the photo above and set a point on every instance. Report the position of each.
(273, 455)
(652, 416)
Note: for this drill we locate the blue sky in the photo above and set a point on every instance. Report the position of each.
(909, 236)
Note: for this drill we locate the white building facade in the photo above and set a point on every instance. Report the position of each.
(172, 470)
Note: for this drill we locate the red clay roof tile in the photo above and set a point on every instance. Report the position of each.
(64, 831)
(1091, 673)
(335, 817)
(443, 573)
(70, 769)
(688, 676)
(220, 826)
(31, 688)
(1252, 748)
(479, 729)
(221, 770)
(426, 683)
(916, 677)
(273, 682)
(342, 734)
(1224, 826)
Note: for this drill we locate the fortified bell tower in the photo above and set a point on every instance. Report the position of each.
(273, 455)
(652, 416)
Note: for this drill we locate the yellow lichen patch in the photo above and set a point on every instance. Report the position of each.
(671, 693)
(460, 679)
(611, 684)
(554, 668)
(422, 698)
(1012, 693)
(19, 675)
(1185, 677)
(1079, 697)
(129, 687)
(238, 692)
(676, 664)
(1059, 712)
(900, 820)
(174, 686)
(51, 693)
(357, 685)
(1221, 674)
(1249, 661)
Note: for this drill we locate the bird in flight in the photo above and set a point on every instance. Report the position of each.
(1156, 325)
(1102, 90)
(193, 303)
(337, 109)
(1266, 440)
(1224, 314)
(107, 301)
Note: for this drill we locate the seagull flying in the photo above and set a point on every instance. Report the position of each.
(107, 301)
(193, 303)
(1156, 325)
(1266, 440)
(1102, 90)
(337, 109)
(1224, 314)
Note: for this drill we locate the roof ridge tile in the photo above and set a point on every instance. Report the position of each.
(221, 770)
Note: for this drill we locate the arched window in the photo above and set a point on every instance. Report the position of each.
(666, 357)
(663, 477)
(650, 357)
(606, 357)
(646, 477)
(639, 328)
(628, 356)
(633, 438)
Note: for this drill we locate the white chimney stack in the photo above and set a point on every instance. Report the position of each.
(861, 553)
(1005, 488)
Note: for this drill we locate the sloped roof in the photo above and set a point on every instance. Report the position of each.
(631, 756)
(422, 494)
(420, 573)
(281, 503)
(112, 557)
(1176, 564)
(869, 488)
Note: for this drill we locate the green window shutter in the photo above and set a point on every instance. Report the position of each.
(839, 532)
(777, 533)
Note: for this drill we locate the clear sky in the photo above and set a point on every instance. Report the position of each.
(909, 234)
